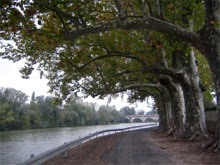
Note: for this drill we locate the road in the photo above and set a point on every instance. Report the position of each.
(134, 148)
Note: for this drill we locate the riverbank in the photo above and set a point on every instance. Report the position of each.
(38, 141)
(137, 147)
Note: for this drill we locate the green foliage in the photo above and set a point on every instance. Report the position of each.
(38, 28)
(208, 101)
(71, 118)
(105, 116)
(6, 116)
(127, 110)
(109, 115)
(141, 112)
(15, 113)
(97, 64)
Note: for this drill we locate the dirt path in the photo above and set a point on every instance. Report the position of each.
(134, 148)
(139, 147)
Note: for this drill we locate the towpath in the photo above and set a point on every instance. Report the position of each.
(128, 148)
(135, 148)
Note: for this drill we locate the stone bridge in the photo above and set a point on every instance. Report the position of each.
(142, 118)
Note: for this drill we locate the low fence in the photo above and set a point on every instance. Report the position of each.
(35, 160)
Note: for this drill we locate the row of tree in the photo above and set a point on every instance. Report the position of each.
(161, 48)
(16, 113)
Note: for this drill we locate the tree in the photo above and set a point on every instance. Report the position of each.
(6, 116)
(105, 115)
(60, 22)
(71, 118)
(12, 102)
(14, 97)
(127, 110)
(141, 112)
(118, 117)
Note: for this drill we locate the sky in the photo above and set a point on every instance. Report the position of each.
(10, 77)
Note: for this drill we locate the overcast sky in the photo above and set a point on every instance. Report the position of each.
(11, 77)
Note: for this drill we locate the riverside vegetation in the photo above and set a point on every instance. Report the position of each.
(16, 113)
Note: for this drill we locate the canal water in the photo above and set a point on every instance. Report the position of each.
(17, 146)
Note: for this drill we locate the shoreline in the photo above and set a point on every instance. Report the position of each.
(96, 151)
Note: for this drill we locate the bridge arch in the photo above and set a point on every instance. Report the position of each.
(127, 120)
(137, 120)
(149, 120)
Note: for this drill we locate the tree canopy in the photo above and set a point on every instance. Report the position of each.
(98, 47)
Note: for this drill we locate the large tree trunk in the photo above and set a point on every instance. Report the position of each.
(194, 126)
(210, 36)
(162, 114)
(213, 57)
(182, 104)
(178, 103)
(195, 84)
(167, 101)
(190, 82)
(215, 68)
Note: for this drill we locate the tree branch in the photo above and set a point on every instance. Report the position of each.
(149, 23)
(129, 87)
(121, 11)
(114, 54)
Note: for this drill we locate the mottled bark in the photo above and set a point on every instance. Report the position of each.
(210, 36)
(178, 105)
(162, 114)
(167, 104)
(195, 83)
(193, 126)
(182, 105)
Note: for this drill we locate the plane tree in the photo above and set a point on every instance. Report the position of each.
(42, 29)
(97, 74)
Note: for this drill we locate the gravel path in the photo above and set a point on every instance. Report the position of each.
(135, 148)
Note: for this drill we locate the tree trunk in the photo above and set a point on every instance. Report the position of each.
(178, 105)
(195, 83)
(194, 127)
(182, 104)
(162, 114)
(210, 36)
(215, 68)
(167, 108)
(213, 57)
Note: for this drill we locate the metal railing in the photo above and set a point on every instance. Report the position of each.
(39, 159)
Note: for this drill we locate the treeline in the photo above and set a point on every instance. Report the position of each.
(40, 112)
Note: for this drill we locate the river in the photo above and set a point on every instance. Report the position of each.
(17, 146)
